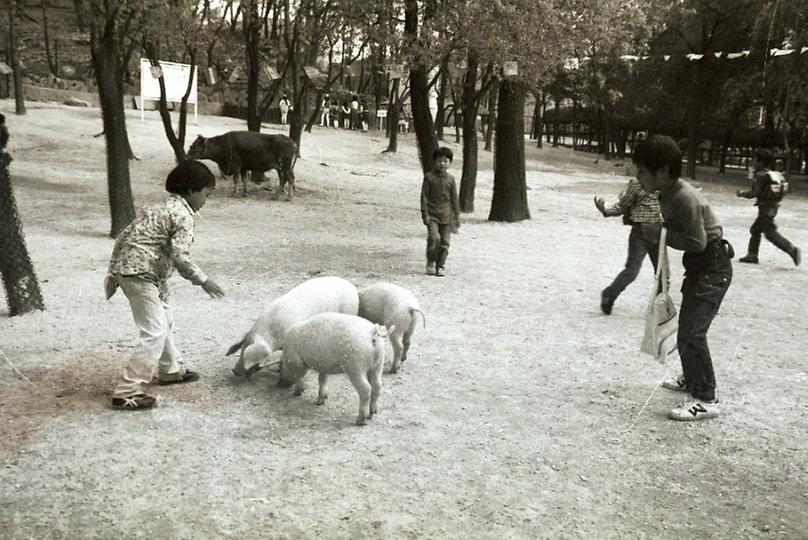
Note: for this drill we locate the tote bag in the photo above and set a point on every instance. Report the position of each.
(661, 324)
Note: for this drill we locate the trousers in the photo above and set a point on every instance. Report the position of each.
(155, 348)
(708, 275)
(437, 242)
(642, 240)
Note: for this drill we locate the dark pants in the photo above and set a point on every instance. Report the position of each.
(707, 278)
(642, 240)
(437, 242)
(764, 224)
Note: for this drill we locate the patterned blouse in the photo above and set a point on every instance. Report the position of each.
(158, 240)
(636, 204)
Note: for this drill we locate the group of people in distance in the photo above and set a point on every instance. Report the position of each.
(658, 198)
(353, 114)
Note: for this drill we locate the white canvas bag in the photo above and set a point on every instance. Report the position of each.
(661, 323)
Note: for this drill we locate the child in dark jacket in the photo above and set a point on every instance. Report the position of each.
(767, 200)
(440, 210)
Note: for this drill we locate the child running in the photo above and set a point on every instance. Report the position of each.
(144, 256)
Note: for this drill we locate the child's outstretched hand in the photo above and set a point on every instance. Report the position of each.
(213, 289)
(600, 205)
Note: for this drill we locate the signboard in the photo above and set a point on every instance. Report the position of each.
(5, 69)
(510, 69)
(271, 73)
(211, 76)
(314, 75)
(235, 76)
(381, 113)
(395, 71)
(176, 82)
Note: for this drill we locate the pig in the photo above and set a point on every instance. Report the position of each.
(393, 306)
(317, 295)
(331, 343)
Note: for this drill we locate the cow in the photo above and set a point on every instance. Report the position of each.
(237, 152)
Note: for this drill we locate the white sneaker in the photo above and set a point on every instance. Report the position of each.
(695, 410)
(677, 384)
(430, 269)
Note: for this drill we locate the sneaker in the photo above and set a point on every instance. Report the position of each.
(188, 376)
(439, 271)
(695, 410)
(796, 256)
(430, 269)
(606, 303)
(676, 384)
(751, 259)
(133, 403)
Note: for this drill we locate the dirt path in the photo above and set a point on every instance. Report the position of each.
(522, 411)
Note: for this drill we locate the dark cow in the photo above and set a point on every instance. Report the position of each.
(237, 152)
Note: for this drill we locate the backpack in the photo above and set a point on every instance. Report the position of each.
(775, 187)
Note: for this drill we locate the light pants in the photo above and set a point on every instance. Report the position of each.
(155, 347)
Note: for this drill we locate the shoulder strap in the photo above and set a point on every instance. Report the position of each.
(663, 271)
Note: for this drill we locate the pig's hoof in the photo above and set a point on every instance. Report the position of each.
(361, 421)
(320, 400)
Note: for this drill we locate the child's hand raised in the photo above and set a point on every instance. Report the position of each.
(213, 289)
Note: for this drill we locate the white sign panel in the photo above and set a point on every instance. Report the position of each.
(176, 81)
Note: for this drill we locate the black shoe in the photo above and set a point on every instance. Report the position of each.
(133, 403)
(606, 303)
(796, 256)
(751, 259)
(188, 376)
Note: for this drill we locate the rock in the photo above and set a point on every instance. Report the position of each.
(76, 102)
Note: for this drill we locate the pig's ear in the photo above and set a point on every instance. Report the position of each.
(254, 354)
(273, 360)
(234, 347)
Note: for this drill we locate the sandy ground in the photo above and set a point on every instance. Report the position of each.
(522, 412)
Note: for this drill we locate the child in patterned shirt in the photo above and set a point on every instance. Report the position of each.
(144, 256)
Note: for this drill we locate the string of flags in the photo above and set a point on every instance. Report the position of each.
(575, 63)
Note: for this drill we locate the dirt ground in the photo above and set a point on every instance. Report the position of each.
(522, 411)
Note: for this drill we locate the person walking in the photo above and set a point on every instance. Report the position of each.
(768, 189)
(640, 211)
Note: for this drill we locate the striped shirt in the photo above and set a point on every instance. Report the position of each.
(636, 204)
(156, 242)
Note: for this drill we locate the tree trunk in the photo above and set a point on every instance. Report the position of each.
(419, 94)
(252, 34)
(492, 116)
(440, 114)
(19, 279)
(19, 96)
(509, 202)
(110, 94)
(540, 126)
(393, 114)
(468, 181)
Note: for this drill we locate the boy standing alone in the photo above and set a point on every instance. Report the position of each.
(693, 228)
(767, 189)
(440, 210)
(640, 210)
